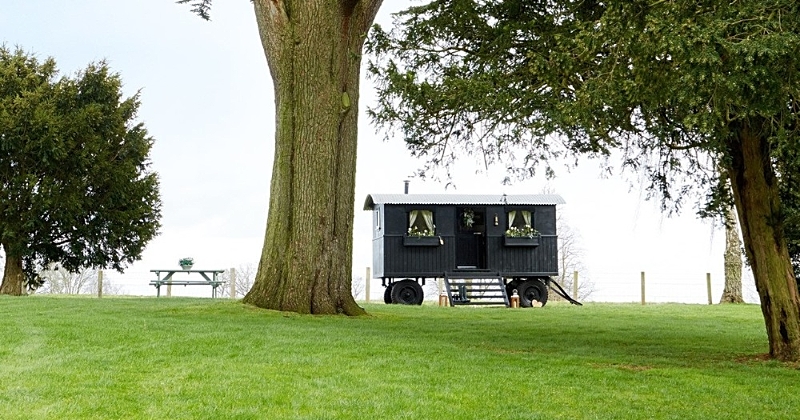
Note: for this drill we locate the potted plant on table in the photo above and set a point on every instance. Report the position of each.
(524, 236)
(186, 263)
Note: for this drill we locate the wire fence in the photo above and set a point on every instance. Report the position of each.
(603, 286)
(663, 287)
(626, 286)
(137, 283)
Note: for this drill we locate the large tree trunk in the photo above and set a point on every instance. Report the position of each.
(732, 261)
(755, 193)
(313, 49)
(13, 277)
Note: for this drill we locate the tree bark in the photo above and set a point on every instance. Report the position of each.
(313, 50)
(13, 277)
(732, 261)
(755, 191)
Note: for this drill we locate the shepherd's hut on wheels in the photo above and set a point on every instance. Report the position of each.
(484, 247)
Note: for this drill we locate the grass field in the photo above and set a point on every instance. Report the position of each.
(180, 358)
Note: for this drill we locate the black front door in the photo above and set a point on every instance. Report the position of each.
(471, 238)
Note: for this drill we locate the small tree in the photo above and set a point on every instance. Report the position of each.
(57, 280)
(75, 185)
(732, 292)
(245, 274)
(109, 287)
(570, 260)
(357, 286)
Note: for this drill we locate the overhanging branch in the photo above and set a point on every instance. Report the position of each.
(691, 145)
(202, 8)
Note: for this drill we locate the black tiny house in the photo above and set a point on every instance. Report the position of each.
(483, 246)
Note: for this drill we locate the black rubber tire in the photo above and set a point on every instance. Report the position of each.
(407, 292)
(530, 290)
(387, 294)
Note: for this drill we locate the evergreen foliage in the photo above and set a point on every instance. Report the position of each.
(75, 183)
(201, 8)
(523, 82)
(677, 88)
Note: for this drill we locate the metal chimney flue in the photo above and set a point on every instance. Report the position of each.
(406, 182)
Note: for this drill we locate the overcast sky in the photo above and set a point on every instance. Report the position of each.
(207, 100)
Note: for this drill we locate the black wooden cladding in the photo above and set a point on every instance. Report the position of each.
(395, 257)
(424, 261)
(413, 261)
(519, 260)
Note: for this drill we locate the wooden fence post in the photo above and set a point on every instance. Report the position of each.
(366, 283)
(708, 287)
(233, 283)
(169, 290)
(100, 283)
(643, 301)
(575, 285)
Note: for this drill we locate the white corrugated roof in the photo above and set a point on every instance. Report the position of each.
(463, 199)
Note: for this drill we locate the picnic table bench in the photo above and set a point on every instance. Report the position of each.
(210, 278)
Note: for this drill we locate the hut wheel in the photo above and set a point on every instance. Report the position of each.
(387, 294)
(407, 292)
(531, 290)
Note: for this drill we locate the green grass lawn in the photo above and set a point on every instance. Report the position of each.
(180, 358)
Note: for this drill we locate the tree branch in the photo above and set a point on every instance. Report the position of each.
(202, 8)
(369, 9)
(691, 145)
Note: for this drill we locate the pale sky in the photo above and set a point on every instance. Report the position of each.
(207, 100)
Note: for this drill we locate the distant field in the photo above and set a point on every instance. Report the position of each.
(183, 358)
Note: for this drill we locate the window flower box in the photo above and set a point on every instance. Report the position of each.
(521, 241)
(422, 241)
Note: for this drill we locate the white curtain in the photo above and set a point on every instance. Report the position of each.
(527, 216)
(412, 217)
(427, 215)
(511, 216)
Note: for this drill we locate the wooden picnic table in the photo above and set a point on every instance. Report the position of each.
(210, 278)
